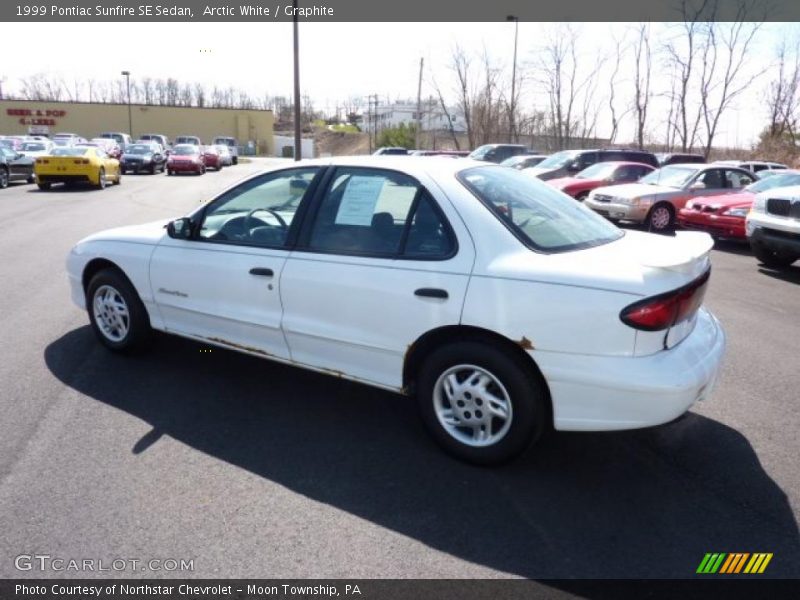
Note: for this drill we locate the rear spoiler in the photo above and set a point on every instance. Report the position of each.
(681, 253)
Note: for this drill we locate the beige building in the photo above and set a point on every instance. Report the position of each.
(89, 119)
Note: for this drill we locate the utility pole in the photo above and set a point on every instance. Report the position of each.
(298, 148)
(127, 75)
(419, 107)
(512, 116)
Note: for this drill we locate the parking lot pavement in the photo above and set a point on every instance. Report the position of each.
(252, 469)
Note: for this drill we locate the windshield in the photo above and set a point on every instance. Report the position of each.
(69, 151)
(598, 171)
(775, 181)
(481, 151)
(674, 177)
(539, 215)
(139, 149)
(33, 147)
(186, 149)
(558, 160)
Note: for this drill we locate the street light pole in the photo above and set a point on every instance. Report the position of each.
(512, 116)
(130, 118)
(298, 150)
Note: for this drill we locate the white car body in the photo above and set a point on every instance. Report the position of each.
(773, 224)
(358, 317)
(47, 147)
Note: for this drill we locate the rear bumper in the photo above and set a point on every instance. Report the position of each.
(721, 226)
(601, 393)
(66, 178)
(184, 168)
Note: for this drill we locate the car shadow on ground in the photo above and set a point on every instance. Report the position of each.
(790, 274)
(646, 503)
(733, 247)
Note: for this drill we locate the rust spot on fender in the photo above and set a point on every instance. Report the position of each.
(525, 343)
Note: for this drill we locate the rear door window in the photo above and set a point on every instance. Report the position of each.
(379, 213)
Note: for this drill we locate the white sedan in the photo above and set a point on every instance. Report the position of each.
(501, 304)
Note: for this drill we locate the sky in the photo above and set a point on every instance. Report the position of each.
(337, 60)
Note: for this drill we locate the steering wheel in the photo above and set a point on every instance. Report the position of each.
(249, 218)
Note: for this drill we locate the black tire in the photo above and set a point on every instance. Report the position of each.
(170, 173)
(153, 168)
(44, 186)
(101, 179)
(139, 332)
(32, 179)
(3, 178)
(526, 394)
(581, 196)
(772, 258)
(235, 160)
(656, 222)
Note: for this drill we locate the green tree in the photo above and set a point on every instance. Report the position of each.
(403, 135)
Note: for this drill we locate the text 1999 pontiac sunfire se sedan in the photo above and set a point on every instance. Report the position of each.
(502, 304)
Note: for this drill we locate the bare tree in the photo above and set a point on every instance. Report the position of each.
(641, 81)
(682, 55)
(460, 65)
(727, 46)
(783, 96)
(571, 90)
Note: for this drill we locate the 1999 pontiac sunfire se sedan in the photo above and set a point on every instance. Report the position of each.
(502, 304)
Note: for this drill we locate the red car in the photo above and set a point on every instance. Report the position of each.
(186, 158)
(211, 158)
(598, 175)
(724, 215)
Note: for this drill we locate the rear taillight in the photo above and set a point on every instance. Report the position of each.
(665, 310)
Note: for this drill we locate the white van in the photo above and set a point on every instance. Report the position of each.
(231, 143)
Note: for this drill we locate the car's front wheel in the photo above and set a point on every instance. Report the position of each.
(3, 178)
(118, 317)
(661, 218)
(482, 404)
(101, 179)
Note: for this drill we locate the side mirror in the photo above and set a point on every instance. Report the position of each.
(697, 185)
(180, 229)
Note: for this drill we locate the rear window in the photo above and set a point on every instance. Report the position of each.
(537, 214)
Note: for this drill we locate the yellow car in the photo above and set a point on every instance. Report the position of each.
(77, 164)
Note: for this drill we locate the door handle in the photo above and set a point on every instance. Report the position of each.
(262, 272)
(431, 293)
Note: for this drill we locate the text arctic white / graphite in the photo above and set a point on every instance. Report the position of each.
(255, 10)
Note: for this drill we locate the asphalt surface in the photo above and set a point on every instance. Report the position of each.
(253, 469)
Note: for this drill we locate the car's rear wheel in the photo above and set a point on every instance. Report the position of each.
(661, 218)
(101, 179)
(3, 178)
(43, 186)
(481, 404)
(773, 258)
(118, 317)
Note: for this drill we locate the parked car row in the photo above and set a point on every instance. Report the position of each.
(71, 159)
